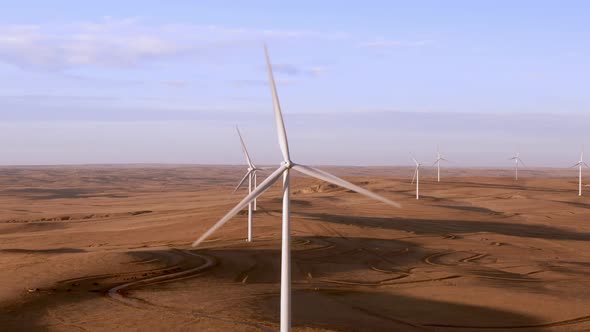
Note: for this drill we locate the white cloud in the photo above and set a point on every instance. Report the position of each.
(109, 43)
(122, 43)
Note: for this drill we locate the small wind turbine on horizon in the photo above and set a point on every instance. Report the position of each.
(284, 170)
(251, 176)
(439, 158)
(416, 176)
(517, 160)
(579, 165)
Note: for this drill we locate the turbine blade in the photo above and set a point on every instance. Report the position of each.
(414, 177)
(325, 176)
(520, 160)
(244, 149)
(262, 187)
(585, 164)
(242, 181)
(282, 133)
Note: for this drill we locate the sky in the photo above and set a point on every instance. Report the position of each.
(360, 83)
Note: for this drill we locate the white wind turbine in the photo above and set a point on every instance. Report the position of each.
(251, 176)
(439, 158)
(416, 176)
(517, 160)
(579, 165)
(284, 171)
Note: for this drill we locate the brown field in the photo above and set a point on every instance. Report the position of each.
(103, 248)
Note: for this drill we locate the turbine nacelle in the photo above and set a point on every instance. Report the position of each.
(439, 156)
(517, 159)
(416, 176)
(581, 162)
(579, 165)
(288, 164)
(417, 169)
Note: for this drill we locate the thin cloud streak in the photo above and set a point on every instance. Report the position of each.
(130, 42)
(297, 70)
(123, 43)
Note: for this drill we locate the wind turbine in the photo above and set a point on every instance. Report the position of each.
(439, 158)
(284, 170)
(579, 165)
(416, 176)
(517, 160)
(251, 176)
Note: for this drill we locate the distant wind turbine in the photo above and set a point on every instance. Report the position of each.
(439, 158)
(284, 170)
(416, 176)
(517, 160)
(579, 165)
(251, 176)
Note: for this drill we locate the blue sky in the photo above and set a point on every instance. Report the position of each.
(360, 84)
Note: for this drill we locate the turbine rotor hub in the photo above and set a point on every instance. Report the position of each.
(289, 164)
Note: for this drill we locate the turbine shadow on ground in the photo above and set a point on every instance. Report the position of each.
(356, 310)
(507, 186)
(317, 302)
(442, 226)
(329, 291)
(576, 204)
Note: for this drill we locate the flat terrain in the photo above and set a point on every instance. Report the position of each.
(103, 248)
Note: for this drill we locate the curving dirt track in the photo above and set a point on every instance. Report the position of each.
(106, 248)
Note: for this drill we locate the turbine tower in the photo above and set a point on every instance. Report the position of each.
(284, 170)
(579, 165)
(416, 176)
(517, 160)
(439, 158)
(251, 176)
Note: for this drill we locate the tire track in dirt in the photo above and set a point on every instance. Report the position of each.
(431, 260)
(428, 259)
(385, 317)
(385, 282)
(472, 258)
(122, 274)
(119, 293)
